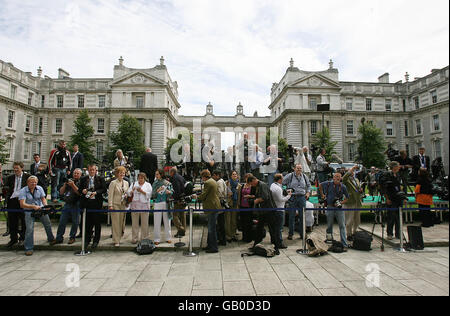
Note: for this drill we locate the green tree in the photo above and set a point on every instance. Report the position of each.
(323, 140)
(371, 146)
(129, 137)
(82, 136)
(3, 150)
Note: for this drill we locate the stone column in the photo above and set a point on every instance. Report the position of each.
(147, 131)
(305, 133)
(305, 102)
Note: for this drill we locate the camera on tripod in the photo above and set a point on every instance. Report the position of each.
(392, 153)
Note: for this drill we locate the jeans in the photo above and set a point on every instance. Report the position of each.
(322, 176)
(298, 204)
(279, 218)
(29, 234)
(69, 211)
(212, 232)
(340, 217)
(58, 181)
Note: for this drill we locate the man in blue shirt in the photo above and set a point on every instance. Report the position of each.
(32, 198)
(333, 191)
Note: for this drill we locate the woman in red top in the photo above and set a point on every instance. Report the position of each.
(424, 197)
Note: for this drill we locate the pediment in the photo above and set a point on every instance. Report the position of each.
(315, 81)
(138, 78)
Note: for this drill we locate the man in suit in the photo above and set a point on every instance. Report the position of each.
(91, 190)
(77, 159)
(210, 199)
(15, 183)
(149, 164)
(35, 166)
(352, 218)
(420, 161)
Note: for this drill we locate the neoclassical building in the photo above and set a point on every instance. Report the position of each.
(37, 111)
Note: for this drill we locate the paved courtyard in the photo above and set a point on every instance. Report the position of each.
(167, 273)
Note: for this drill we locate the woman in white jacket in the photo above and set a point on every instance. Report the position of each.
(141, 191)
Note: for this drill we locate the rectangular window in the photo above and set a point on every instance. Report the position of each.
(436, 123)
(139, 101)
(26, 150)
(58, 126)
(28, 124)
(437, 149)
(406, 129)
(368, 104)
(389, 128)
(313, 127)
(313, 103)
(434, 97)
(388, 105)
(39, 148)
(13, 92)
(10, 146)
(418, 127)
(101, 125)
(101, 101)
(30, 98)
(40, 125)
(100, 151)
(416, 103)
(350, 128)
(407, 150)
(349, 104)
(81, 101)
(11, 119)
(60, 101)
(351, 152)
(404, 105)
(42, 101)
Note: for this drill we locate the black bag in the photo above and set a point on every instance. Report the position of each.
(336, 247)
(362, 241)
(188, 188)
(260, 250)
(415, 237)
(145, 247)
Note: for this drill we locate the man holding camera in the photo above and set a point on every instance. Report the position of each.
(91, 190)
(280, 200)
(299, 186)
(210, 200)
(391, 189)
(32, 198)
(322, 166)
(405, 164)
(179, 217)
(353, 218)
(335, 193)
(60, 165)
(71, 208)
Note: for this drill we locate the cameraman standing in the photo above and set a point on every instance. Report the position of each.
(336, 195)
(391, 189)
(353, 218)
(179, 216)
(405, 164)
(71, 209)
(32, 198)
(322, 166)
(222, 192)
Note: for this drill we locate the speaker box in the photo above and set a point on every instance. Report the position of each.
(415, 237)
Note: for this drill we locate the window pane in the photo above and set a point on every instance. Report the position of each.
(60, 101)
(349, 127)
(81, 101)
(368, 104)
(436, 124)
(101, 101)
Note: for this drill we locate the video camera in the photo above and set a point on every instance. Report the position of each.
(440, 188)
(45, 210)
(392, 153)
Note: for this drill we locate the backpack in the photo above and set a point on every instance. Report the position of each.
(260, 250)
(145, 247)
(362, 241)
(316, 247)
(336, 247)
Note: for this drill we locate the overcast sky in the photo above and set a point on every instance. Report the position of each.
(226, 52)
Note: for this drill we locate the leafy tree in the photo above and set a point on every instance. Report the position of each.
(129, 137)
(3, 150)
(323, 140)
(82, 136)
(371, 146)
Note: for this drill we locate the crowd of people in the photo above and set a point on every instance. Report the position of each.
(257, 203)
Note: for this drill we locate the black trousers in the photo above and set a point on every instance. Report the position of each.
(270, 219)
(93, 220)
(426, 216)
(393, 219)
(221, 236)
(246, 225)
(14, 218)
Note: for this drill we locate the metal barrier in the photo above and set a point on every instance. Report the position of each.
(83, 251)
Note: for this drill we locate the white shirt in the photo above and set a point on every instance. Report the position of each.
(277, 194)
(138, 196)
(222, 189)
(17, 186)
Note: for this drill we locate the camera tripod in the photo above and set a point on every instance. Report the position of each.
(379, 215)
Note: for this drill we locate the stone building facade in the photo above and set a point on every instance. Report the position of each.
(37, 111)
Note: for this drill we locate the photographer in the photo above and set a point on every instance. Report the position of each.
(371, 179)
(264, 200)
(280, 200)
(391, 189)
(405, 164)
(32, 198)
(300, 187)
(335, 193)
(71, 208)
(272, 163)
(210, 200)
(322, 166)
(179, 216)
(123, 161)
(353, 218)
(92, 188)
(60, 165)
(222, 192)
